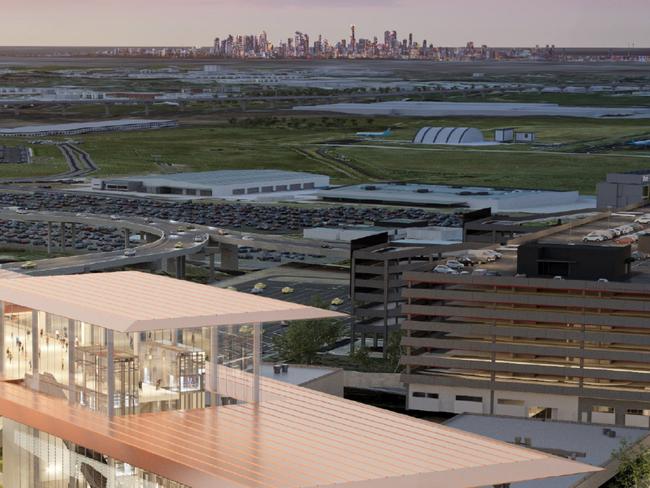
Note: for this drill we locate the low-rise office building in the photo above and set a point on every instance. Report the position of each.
(219, 184)
(106, 377)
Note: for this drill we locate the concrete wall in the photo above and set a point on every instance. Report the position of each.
(618, 195)
(332, 383)
(564, 407)
(357, 379)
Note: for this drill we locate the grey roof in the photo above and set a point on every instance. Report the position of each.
(75, 126)
(448, 135)
(226, 177)
(296, 374)
(566, 436)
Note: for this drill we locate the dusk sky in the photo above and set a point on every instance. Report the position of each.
(197, 22)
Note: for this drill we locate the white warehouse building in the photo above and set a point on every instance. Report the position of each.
(76, 128)
(218, 184)
(448, 135)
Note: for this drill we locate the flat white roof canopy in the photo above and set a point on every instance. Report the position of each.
(131, 301)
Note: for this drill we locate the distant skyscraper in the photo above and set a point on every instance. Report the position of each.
(353, 38)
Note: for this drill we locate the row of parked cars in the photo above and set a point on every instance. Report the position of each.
(466, 264)
(623, 234)
(228, 215)
(87, 238)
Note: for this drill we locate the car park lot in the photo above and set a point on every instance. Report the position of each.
(607, 227)
(261, 218)
(499, 262)
(14, 233)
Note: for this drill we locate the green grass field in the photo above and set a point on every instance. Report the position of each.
(47, 160)
(570, 153)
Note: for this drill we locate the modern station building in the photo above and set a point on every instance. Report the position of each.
(135, 380)
(218, 184)
(77, 128)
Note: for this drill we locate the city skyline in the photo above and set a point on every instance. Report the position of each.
(574, 23)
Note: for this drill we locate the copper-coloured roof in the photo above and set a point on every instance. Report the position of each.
(300, 438)
(133, 302)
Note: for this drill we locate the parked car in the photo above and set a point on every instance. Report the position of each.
(455, 264)
(644, 219)
(595, 237)
(625, 240)
(467, 260)
(129, 252)
(443, 269)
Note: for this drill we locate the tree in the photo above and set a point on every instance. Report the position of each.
(304, 339)
(394, 348)
(634, 467)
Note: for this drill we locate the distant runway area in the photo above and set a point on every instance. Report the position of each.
(461, 109)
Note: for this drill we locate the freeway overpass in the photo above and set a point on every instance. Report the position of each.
(168, 250)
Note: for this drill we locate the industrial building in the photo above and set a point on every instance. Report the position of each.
(150, 381)
(448, 135)
(471, 197)
(76, 128)
(217, 184)
(506, 134)
(620, 190)
(509, 134)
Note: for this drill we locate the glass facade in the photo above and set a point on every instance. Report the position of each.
(33, 459)
(129, 373)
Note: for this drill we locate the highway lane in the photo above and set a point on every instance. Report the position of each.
(193, 239)
(164, 247)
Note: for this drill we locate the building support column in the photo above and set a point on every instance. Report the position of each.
(73, 230)
(214, 367)
(169, 266)
(72, 382)
(110, 373)
(36, 457)
(49, 238)
(211, 268)
(127, 235)
(257, 360)
(229, 257)
(35, 353)
(180, 267)
(62, 235)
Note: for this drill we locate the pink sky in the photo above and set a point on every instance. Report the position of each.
(196, 22)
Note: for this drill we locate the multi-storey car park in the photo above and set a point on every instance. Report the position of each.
(561, 349)
(563, 334)
(130, 379)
